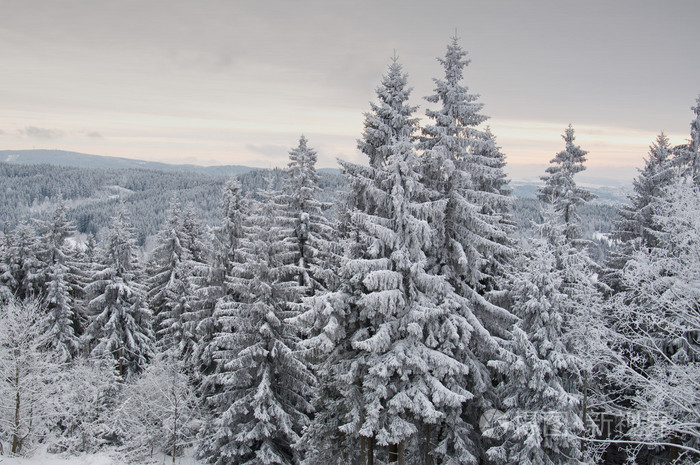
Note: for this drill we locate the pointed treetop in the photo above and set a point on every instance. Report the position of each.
(390, 118)
(571, 158)
(560, 187)
(457, 121)
(454, 61)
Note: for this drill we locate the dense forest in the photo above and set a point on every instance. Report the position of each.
(91, 197)
(409, 311)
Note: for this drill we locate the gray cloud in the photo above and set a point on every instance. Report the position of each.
(268, 150)
(41, 133)
(94, 135)
(2, 132)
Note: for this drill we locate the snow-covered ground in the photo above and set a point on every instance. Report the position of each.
(41, 457)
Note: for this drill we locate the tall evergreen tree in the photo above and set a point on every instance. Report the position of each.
(21, 271)
(687, 156)
(193, 235)
(541, 410)
(637, 225)
(312, 231)
(413, 340)
(464, 166)
(389, 119)
(560, 187)
(169, 288)
(120, 321)
(583, 322)
(400, 339)
(211, 281)
(637, 221)
(227, 237)
(63, 286)
(262, 401)
(331, 318)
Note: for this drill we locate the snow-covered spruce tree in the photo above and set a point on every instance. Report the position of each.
(687, 156)
(60, 334)
(21, 268)
(261, 402)
(657, 327)
(168, 286)
(227, 237)
(210, 281)
(193, 234)
(560, 187)
(413, 338)
(120, 321)
(327, 323)
(541, 415)
(5, 292)
(486, 164)
(63, 286)
(636, 226)
(330, 318)
(464, 166)
(389, 119)
(637, 218)
(318, 259)
(583, 323)
(313, 233)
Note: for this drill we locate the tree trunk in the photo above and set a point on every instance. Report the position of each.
(393, 453)
(175, 433)
(370, 451)
(121, 363)
(363, 451)
(396, 453)
(428, 430)
(585, 407)
(16, 440)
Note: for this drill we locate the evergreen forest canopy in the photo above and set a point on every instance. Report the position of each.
(413, 320)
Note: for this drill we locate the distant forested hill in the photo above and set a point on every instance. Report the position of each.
(30, 190)
(92, 195)
(82, 160)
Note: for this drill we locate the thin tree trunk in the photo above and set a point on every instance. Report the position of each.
(401, 453)
(363, 451)
(175, 428)
(585, 407)
(428, 430)
(16, 440)
(370, 451)
(121, 362)
(393, 453)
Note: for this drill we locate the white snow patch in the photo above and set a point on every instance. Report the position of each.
(41, 457)
(44, 458)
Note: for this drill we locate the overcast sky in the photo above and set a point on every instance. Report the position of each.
(237, 82)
